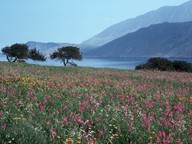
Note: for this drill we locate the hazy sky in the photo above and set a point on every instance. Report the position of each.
(71, 21)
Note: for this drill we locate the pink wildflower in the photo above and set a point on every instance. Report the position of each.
(131, 98)
(162, 138)
(180, 142)
(190, 133)
(47, 96)
(191, 99)
(3, 126)
(65, 120)
(34, 98)
(166, 102)
(157, 95)
(53, 131)
(178, 107)
(41, 107)
(48, 122)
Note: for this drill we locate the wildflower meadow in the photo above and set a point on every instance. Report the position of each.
(75, 105)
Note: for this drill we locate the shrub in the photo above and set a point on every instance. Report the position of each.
(182, 66)
(141, 67)
(164, 64)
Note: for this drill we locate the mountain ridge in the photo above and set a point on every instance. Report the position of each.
(180, 13)
(49, 47)
(162, 40)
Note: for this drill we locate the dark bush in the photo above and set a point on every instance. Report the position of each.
(164, 64)
(141, 67)
(182, 66)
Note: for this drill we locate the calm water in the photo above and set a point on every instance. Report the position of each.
(120, 63)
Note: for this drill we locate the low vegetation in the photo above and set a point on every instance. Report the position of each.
(44, 104)
(164, 64)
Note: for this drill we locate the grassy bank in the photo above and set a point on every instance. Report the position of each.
(44, 104)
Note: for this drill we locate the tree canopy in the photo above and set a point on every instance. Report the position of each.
(17, 52)
(35, 55)
(67, 53)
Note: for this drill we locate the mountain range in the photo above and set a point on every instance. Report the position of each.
(50, 47)
(162, 40)
(181, 13)
(161, 32)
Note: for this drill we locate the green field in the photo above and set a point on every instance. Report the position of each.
(46, 104)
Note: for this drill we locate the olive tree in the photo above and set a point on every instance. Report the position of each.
(65, 54)
(17, 52)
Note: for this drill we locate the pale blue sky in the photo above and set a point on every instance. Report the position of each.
(71, 21)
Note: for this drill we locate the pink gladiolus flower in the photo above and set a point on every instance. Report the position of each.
(191, 99)
(53, 131)
(34, 98)
(178, 107)
(131, 98)
(190, 131)
(180, 142)
(65, 120)
(162, 138)
(157, 95)
(41, 107)
(47, 96)
(48, 122)
(3, 126)
(166, 102)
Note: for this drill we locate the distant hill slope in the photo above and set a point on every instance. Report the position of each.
(50, 47)
(164, 40)
(181, 13)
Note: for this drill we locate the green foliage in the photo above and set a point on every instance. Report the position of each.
(15, 52)
(164, 64)
(19, 52)
(67, 53)
(22, 132)
(35, 55)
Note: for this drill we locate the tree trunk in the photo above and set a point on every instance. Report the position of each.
(65, 62)
(9, 60)
(15, 60)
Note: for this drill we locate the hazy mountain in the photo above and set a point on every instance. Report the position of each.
(181, 13)
(50, 47)
(164, 40)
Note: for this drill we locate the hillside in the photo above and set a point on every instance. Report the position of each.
(50, 47)
(181, 13)
(164, 40)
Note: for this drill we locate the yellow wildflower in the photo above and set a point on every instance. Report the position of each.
(69, 140)
(16, 118)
